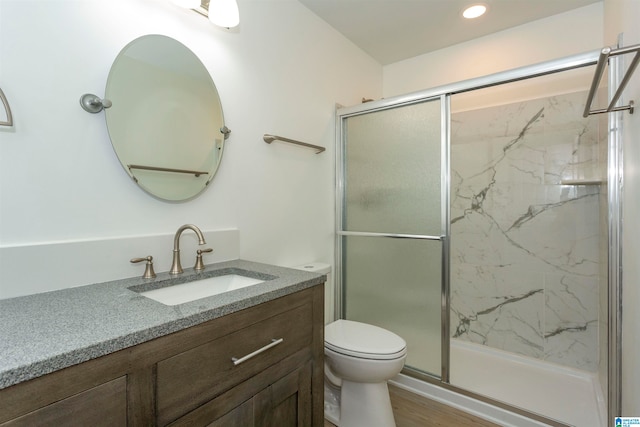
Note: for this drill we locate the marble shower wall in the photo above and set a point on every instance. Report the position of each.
(524, 247)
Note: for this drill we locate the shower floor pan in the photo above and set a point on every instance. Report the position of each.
(564, 394)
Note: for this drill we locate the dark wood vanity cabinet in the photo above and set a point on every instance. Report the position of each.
(285, 402)
(103, 405)
(189, 378)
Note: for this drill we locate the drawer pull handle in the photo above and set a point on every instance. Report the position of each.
(274, 342)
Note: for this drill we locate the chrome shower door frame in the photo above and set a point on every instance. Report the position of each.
(614, 212)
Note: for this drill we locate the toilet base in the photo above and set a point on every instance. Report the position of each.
(365, 405)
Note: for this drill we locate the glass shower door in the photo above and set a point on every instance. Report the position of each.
(392, 225)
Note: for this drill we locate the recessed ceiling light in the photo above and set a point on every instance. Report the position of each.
(474, 11)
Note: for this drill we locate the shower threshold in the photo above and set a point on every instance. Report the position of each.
(570, 396)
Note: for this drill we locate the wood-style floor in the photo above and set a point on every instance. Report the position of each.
(411, 410)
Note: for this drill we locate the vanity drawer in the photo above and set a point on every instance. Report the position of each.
(189, 379)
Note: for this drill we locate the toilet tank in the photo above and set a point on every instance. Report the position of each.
(329, 300)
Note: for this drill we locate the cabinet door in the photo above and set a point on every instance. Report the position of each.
(242, 416)
(103, 405)
(287, 402)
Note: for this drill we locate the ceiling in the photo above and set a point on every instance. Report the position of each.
(393, 30)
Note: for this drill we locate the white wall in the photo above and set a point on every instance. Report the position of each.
(621, 16)
(538, 41)
(281, 71)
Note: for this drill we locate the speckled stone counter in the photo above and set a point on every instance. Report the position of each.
(46, 332)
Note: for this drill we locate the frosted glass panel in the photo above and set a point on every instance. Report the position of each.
(395, 284)
(392, 170)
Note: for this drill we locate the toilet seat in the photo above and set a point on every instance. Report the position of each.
(363, 341)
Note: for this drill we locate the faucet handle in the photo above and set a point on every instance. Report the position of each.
(148, 271)
(199, 264)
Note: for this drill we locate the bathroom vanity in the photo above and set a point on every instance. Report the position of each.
(247, 357)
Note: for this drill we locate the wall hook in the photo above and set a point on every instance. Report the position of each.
(92, 104)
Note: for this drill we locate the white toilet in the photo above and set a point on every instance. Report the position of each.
(359, 359)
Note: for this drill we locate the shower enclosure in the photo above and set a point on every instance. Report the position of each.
(474, 221)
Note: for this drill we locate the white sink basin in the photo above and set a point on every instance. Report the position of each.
(191, 291)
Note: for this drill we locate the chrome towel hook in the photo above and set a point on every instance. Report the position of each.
(93, 104)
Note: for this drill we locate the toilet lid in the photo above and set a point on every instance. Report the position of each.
(363, 340)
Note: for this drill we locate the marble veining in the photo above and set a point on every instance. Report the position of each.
(524, 247)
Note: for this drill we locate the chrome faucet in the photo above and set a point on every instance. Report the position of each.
(176, 267)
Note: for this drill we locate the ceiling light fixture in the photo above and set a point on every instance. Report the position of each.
(223, 13)
(474, 11)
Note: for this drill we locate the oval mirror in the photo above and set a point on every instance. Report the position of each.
(165, 123)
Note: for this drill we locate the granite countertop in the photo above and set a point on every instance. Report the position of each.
(43, 333)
